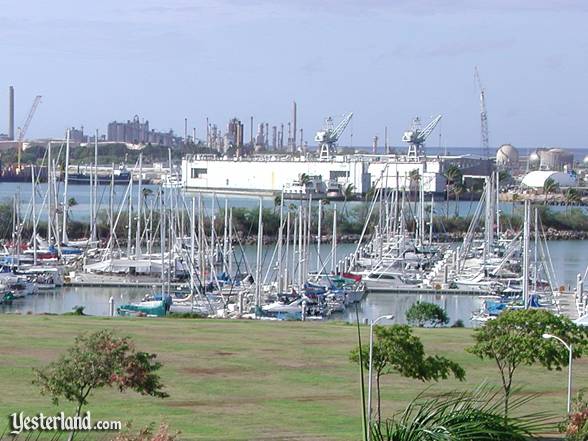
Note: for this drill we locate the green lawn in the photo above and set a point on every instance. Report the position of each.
(243, 380)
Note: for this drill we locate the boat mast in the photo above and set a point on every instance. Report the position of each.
(422, 210)
(162, 236)
(92, 227)
(536, 253)
(300, 246)
(287, 269)
(14, 226)
(334, 241)
(130, 218)
(56, 231)
(318, 237)
(280, 241)
(258, 268)
(230, 248)
(526, 234)
(170, 251)
(94, 192)
(380, 234)
(34, 203)
(66, 179)
(139, 195)
(212, 235)
(171, 206)
(111, 212)
(201, 239)
(192, 251)
(497, 206)
(307, 237)
(431, 220)
(225, 236)
(49, 195)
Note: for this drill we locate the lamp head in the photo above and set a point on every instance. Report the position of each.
(389, 317)
(547, 336)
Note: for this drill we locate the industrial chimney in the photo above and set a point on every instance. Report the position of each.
(294, 127)
(11, 113)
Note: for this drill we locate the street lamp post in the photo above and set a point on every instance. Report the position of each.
(369, 400)
(569, 348)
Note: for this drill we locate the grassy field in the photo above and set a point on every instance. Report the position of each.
(243, 380)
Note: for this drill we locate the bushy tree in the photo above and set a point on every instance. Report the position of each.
(515, 338)
(397, 350)
(424, 313)
(97, 360)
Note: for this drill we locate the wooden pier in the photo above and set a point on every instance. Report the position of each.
(111, 281)
(426, 291)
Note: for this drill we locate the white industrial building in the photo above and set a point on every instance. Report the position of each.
(270, 174)
(536, 179)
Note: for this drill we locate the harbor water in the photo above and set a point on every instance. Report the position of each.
(568, 259)
(81, 193)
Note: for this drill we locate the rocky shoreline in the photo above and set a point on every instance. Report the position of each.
(551, 234)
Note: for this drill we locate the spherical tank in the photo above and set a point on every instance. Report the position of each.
(507, 155)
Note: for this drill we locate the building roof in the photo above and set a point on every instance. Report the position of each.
(536, 179)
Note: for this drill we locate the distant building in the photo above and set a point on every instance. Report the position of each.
(77, 135)
(556, 159)
(234, 133)
(137, 132)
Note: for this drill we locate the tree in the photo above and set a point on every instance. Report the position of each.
(458, 189)
(348, 192)
(97, 360)
(515, 338)
(304, 179)
(453, 175)
(504, 176)
(414, 181)
(146, 192)
(515, 199)
(397, 350)
(370, 194)
(572, 197)
(422, 313)
(549, 186)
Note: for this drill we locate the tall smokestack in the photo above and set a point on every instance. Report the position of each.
(294, 145)
(11, 113)
(251, 130)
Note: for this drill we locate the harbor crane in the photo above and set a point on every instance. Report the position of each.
(483, 115)
(22, 131)
(416, 137)
(328, 137)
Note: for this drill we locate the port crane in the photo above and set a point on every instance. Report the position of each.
(416, 137)
(328, 137)
(22, 131)
(483, 115)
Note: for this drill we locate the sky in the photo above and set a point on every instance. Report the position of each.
(385, 60)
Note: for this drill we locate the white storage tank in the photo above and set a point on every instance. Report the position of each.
(556, 159)
(507, 156)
